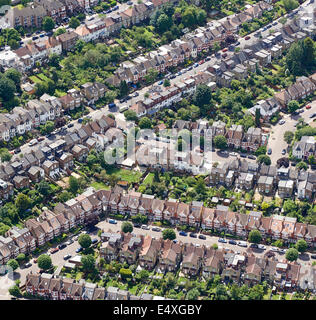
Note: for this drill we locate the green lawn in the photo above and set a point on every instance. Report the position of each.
(42, 77)
(149, 179)
(99, 185)
(35, 79)
(275, 297)
(126, 175)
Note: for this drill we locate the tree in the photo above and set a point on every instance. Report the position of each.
(302, 165)
(44, 188)
(48, 127)
(168, 234)
(127, 227)
(301, 246)
(142, 275)
(85, 241)
(74, 22)
(15, 291)
(202, 95)
(7, 88)
(220, 142)
(290, 4)
(130, 115)
(215, 246)
(163, 23)
(193, 294)
(309, 52)
(291, 254)
(257, 117)
(145, 123)
(264, 159)
(293, 106)
(123, 88)
(5, 155)
(200, 187)
(14, 75)
(22, 202)
(48, 24)
(73, 184)
(44, 262)
(13, 264)
(166, 83)
(261, 150)
(88, 263)
(20, 258)
(288, 136)
(126, 273)
(254, 236)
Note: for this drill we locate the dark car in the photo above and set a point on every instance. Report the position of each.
(202, 236)
(269, 151)
(243, 155)
(193, 235)
(254, 245)
(35, 38)
(137, 225)
(17, 150)
(182, 233)
(156, 229)
(62, 246)
(78, 250)
(232, 242)
(70, 125)
(94, 241)
(252, 157)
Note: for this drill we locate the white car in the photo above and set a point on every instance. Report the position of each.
(274, 249)
(145, 227)
(261, 246)
(242, 244)
(233, 154)
(32, 142)
(281, 121)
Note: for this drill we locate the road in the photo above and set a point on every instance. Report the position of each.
(276, 141)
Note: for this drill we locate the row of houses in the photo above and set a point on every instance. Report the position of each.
(193, 260)
(93, 28)
(267, 179)
(302, 88)
(203, 38)
(54, 287)
(48, 108)
(304, 148)
(57, 158)
(86, 208)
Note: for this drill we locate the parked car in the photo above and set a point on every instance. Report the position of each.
(67, 256)
(62, 246)
(254, 245)
(70, 125)
(242, 244)
(308, 106)
(156, 229)
(269, 151)
(313, 115)
(261, 247)
(283, 152)
(274, 249)
(94, 241)
(79, 250)
(137, 225)
(112, 221)
(69, 242)
(193, 235)
(313, 256)
(281, 121)
(27, 265)
(195, 65)
(222, 240)
(135, 94)
(252, 157)
(32, 142)
(145, 227)
(224, 50)
(243, 155)
(182, 233)
(160, 82)
(39, 139)
(202, 236)
(53, 250)
(232, 242)
(247, 37)
(17, 150)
